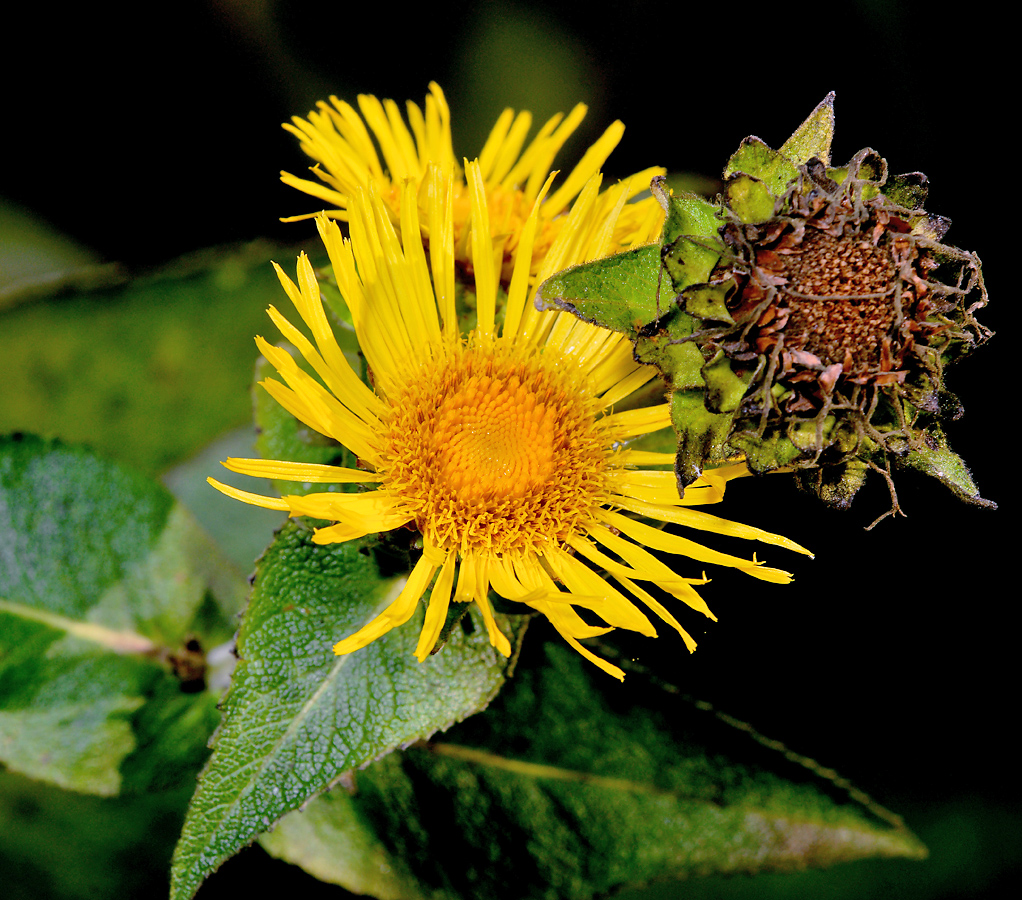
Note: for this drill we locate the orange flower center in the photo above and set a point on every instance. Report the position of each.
(494, 452)
(495, 438)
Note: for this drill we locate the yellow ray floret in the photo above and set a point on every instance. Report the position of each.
(500, 445)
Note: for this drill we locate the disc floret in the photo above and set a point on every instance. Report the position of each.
(493, 451)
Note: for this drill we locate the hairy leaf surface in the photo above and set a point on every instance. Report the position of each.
(296, 716)
(104, 581)
(568, 787)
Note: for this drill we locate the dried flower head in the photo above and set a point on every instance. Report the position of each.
(814, 312)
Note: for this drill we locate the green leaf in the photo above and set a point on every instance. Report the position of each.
(835, 484)
(703, 394)
(702, 414)
(708, 301)
(689, 261)
(566, 788)
(724, 389)
(622, 292)
(297, 716)
(333, 839)
(701, 435)
(690, 242)
(775, 449)
(103, 580)
(687, 214)
(813, 137)
(681, 361)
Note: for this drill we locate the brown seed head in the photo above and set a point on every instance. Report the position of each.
(833, 292)
(840, 296)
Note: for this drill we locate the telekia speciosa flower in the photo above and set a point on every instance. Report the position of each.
(498, 431)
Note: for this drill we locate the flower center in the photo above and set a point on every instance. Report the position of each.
(844, 301)
(495, 452)
(495, 438)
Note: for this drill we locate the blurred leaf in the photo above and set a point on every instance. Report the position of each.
(334, 840)
(103, 581)
(58, 845)
(974, 853)
(568, 788)
(36, 260)
(694, 183)
(240, 530)
(521, 57)
(297, 716)
(148, 372)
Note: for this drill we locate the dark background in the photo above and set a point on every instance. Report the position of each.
(155, 132)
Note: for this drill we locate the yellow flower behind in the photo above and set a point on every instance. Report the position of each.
(502, 446)
(336, 136)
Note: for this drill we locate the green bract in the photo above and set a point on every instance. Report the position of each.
(804, 319)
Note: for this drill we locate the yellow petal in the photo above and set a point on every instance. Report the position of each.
(612, 606)
(436, 612)
(375, 510)
(556, 617)
(661, 540)
(311, 473)
(399, 612)
(706, 522)
(246, 497)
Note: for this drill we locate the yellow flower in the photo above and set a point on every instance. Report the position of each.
(336, 137)
(502, 446)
